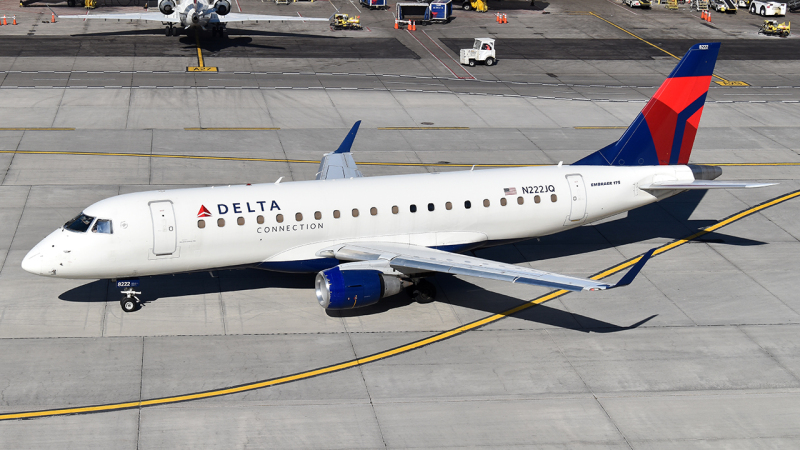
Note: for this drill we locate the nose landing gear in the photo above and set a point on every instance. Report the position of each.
(130, 302)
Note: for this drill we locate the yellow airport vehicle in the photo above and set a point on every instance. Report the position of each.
(477, 5)
(773, 28)
(345, 22)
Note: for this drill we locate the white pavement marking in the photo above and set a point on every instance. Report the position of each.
(431, 53)
(448, 55)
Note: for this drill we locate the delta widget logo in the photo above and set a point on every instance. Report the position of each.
(204, 212)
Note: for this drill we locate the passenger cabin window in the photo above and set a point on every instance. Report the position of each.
(467, 204)
(279, 218)
(413, 208)
(240, 221)
(318, 215)
(220, 222)
(336, 214)
(553, 198)
(102, 226)
(201, 223)
(395, 210)
(486, 202)
(298, 217)
(430, 207)
(80, 223)
(520, 200)
(373, 211)
(355, 212)
(503, 201)
(537, 199)
(260, 219)
(448, 206)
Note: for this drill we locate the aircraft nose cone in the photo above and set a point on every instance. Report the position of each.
(34, 262)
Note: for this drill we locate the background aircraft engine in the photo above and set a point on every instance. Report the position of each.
(166, 7)
(348, 289)
(223, 7)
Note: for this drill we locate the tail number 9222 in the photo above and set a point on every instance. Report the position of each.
(541, 189)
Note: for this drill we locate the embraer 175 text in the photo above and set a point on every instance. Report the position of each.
(370, 238)
(196, 14)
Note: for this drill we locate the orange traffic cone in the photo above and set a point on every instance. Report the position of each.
(53, 18)
(15, 21)
(396, 26)
(505, 18)
(4, 20)
(414, 26)
(708, 17)
(497, 17)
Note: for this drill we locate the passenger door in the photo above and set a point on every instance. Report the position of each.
(165, 236)
(577, 191)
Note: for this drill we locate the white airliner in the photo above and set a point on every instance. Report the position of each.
(371, 237)
(194, 14)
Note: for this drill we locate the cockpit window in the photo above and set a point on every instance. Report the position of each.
(102, 226)
(79, 224)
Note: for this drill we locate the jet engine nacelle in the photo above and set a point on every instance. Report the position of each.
(223, 7)
(166, 7)
(348, 289)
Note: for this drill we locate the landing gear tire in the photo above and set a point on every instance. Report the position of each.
(130, 304)
(168, 31)
(423, 292)
(490, 61)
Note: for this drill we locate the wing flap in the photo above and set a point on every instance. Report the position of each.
(239, 17)
(151, 16)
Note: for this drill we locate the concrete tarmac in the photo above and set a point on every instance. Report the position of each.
(701, 351)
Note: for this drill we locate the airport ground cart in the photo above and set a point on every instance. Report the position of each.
(441, 11)
(482, 51)
(374, 4)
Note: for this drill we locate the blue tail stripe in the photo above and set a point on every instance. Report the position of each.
(680, 127)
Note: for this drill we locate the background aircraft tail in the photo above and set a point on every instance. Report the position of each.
(663, 133)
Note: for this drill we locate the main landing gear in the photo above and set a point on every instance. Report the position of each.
(171, 30)
(130, 302)
(218, 31)
(422, 291)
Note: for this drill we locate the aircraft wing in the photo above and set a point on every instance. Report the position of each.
(340, 164)
(413, 258)
(153, 16)
(702, 184)
(239, 17)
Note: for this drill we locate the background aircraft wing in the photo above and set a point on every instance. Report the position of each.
(340, 164)
(153, 16)
(703, 184)
(415, 259)
(239, 17)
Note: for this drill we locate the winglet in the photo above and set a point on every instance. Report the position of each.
(348, 140)
(626, 280)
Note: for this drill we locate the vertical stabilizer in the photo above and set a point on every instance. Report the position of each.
(663, 133)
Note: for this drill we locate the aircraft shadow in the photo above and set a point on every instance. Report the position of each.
(494, 303)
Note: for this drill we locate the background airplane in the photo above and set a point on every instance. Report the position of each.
(369, 238)
(197, 14)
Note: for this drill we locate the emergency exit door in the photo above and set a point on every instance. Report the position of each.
(165, 237)
(577, 192)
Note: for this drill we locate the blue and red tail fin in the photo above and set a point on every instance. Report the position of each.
(663, 133)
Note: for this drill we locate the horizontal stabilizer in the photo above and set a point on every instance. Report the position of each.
(702, 184)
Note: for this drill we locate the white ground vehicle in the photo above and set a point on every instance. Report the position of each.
(768, 8)
(639, 3)
(482, 50)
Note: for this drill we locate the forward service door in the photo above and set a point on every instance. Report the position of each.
(165, 237)
(577, 190)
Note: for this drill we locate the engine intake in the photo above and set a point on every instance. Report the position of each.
(348, 289)
(223, 7)
(166, 7)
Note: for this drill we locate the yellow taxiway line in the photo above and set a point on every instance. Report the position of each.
(313, 161)
(397, 350)
(722, 82)
(201, 67)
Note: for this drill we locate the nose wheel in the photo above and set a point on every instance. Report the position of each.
(130, 302)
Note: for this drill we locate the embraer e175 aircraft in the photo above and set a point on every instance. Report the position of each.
(196, 14)
(369, 238)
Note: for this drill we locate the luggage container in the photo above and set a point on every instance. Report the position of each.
(419, 12)
(441, 11)
(374, 4)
